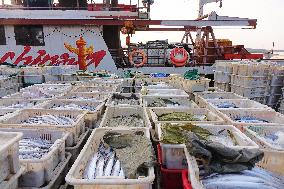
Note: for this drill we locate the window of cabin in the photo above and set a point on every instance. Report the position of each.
(29, 35)
(2, 36)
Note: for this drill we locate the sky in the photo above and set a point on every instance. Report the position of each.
(270, 15)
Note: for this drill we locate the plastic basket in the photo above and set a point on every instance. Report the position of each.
(212, 118)
(174, 154)
(110, 101)
(276, 80)
(192, 86)
(69, 77)
(185, 181)
(223, 86)
(90, 118)
(95, 89)
(13, 181)
(114, 111)
(74, 176)
(39, 171)
(222, 77)
(274, 90)
(48, 78)
(183, 103)
(21, 103)
(76, 129)
(254, 69)
(9, 154)
(249, 92)
(272, 117)
(200, 98)
(170, 178)
(96, 97)
(166, 93)
(249, 81)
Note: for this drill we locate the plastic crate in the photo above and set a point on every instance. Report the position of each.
(95, 97)
(254, 69)
(13, 181)
(76, 129)
(74, 176)
(137, 95)
(76, 149)
(222, 77)
(90, 118)
(33, 79)
(130, 89)
(274, 90)
(272, 117)
(95, 89)
(249, 81)
(9, 154)
(272, 99)
(114, 111)
(48, 78)
(240, 104)
(174, 154)
(192, 86)
(200, 98)
(166, 93)
(69, 77)
(223, 86)
(260, 99)
(211, 117)
(170, 178)
(159, 86)
(276, 80)
(20, 103)
(40, 171)
(183, 102)
(249, 92)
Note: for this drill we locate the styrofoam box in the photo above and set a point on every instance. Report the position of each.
(110, 101)
(192, 86)
(273, 118)
(94, 89)
(7, 103)
(74, 176)
(200, 98)
(183, 102)
(249, 92)
(249, 81)
(211, 117)
(9, 154)
(76, 129)
(173, 154)
(40, 171)
(114, 111)
(90, 118)
(222, 77)
(166, 93)
(240, 103)
(13, 181)
(87, 96)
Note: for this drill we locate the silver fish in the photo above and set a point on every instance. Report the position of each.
(89, 173)
(109, 165)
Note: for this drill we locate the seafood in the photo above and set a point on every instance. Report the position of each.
(49, 120)
(103, 163)
(125, 121)
(33, 148)
(20, 105)
(73, 107)
(247, 119)
(118, 99)
(226, 105)
(181, 116)
(160, 102)
(248, 179)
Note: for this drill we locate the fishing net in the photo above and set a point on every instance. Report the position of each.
(191, 75)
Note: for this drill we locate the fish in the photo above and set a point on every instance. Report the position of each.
(116, 168)
(109, 164)
(100, 167)
(89, 173)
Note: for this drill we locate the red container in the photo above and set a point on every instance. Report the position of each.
(170, 178)
(186, 184)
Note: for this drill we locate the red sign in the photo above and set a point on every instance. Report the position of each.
(46, 59)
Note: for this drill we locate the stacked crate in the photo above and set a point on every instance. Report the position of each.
(222, 76)
(10, 81)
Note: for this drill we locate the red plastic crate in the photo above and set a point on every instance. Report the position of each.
(170, 178)
(186, 184)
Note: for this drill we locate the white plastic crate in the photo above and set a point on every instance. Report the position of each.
(114, 111)
(223, 86)
(254, 69)
(239, 103)
(200, 98)
(9, 154)
(74, 176)
(192, 86)
(222, 77)
(90, 118)
(40, 171)
(13, 181)
(179, 102)
(270, 116)
(33, 79)
(249, 92)
(159, 86)
(48, 78)
(165, 93)
(224, 66)
(99, 97)
(249, 81)
(95, 89)
(7, 113)
(211, 118)
(173, 156)
(69, 77)
(14, 103)
(110, 101)
(75, 129)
